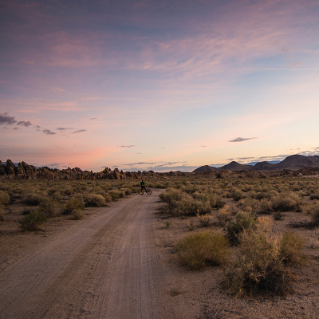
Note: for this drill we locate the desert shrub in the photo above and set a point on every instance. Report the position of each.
(77, 213)
(32, 221)
(195, 251)
(237, 194)
(108, 197)
(4, 198)
(286, 202)
(49, 207)
(32, 198)
(314, 195)
(266, 206)
(259, 267)
(244, 221)
(200, 196)
(116, 194)
(73, 204)
(94, 200)
(315, 214)
(67, 191)
(189, 207)
(248, 204)
(171, 195)
(224, 216)
(204, 220)
(265, 222)
(278, 215)
(216, 201)
(290, 249)
(127, 191)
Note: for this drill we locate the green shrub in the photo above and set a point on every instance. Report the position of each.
(94, 200)
(244, 221)
(49, 207)
(195, 251)
(32, 221)
(4, 198)
(259, 267)
(74, 204)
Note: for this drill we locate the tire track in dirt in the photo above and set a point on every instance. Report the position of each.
(105, 267)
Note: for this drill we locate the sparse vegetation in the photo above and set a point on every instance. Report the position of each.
(196, 251)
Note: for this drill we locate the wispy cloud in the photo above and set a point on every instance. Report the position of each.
(127, 146)
(63, 128)
(24, 123)
(6, 119)
(242, 139)
(48, 132)
(79, 131)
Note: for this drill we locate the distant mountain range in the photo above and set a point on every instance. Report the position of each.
(290, 162)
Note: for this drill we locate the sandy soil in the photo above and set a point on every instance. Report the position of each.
(120, 262)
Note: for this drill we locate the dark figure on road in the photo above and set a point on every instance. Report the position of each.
(143, 185)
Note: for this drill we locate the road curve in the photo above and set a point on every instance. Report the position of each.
(102, 267)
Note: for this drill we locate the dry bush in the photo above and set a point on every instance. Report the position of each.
(108, 197)
(78, 214)
(32, 221)
(190, 225)
(259, 267)
(171, 195)
(224, 216)
(73, 204)
(265, 223)
(237, 194)
(50, 207)
(32, 199)
(126, 190)
(204, 220)
(67, 191)
(4, 198)
(277, 215)
(248, 205)
(189, 207)
(195, 251)
(266, 206)
(94, 200)
(290, 249)
(286, 202)
(244, 221)
(315, 214)
(216, 201)
(315, 195)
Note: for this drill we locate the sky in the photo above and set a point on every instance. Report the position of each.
(158, 85)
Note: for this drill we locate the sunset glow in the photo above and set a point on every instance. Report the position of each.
(158, 85)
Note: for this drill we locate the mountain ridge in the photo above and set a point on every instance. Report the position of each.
(292, 162)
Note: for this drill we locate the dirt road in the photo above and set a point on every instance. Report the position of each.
(101, 267)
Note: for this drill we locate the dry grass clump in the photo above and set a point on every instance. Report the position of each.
(4, 198)
(50, 207)
(190, 207)
(248, 205)
(237, 194)
(204, 220)
(32, 221)
(224, 216)
(195, 251)
(32, 199)
(244, 221)
(260, 266)
(73, 204)
(94, 200)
